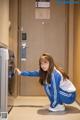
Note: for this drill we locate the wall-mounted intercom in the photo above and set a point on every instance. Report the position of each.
(23, 46)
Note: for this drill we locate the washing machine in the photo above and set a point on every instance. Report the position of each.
(7, 79)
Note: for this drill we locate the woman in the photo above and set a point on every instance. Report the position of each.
(57, 85)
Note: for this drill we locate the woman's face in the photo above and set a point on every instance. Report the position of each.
(45, 65)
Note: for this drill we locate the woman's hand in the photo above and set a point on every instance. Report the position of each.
(17, 70)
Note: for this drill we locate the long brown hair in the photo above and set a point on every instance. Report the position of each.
(45, 76)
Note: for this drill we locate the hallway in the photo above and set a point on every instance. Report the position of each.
(35, 108)
(28, 31)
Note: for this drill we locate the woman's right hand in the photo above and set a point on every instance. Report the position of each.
(17, 70)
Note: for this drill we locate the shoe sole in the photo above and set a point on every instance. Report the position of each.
(56, 110)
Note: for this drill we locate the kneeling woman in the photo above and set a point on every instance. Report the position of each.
(57, 85)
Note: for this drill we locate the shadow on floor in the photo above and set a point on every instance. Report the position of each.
(68, 110)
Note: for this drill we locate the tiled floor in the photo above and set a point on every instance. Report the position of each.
(36, 108)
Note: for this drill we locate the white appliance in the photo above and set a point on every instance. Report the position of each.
(4, 56)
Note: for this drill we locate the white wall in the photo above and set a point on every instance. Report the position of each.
(4, 21)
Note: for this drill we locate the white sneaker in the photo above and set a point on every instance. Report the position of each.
(57, 108)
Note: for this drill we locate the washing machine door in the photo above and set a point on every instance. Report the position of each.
(11, 79)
